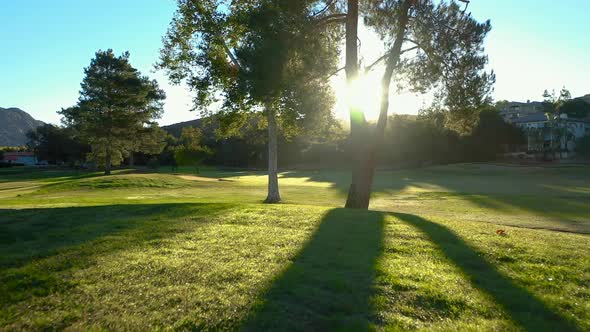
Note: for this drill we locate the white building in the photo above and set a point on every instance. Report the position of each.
(541, 131)
(513, 110)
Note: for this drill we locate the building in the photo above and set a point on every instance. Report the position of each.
(513, 110)
(26, 158)
(543, 132)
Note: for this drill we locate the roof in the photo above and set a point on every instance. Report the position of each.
(541, 117)
(20, 154)
(535, 117)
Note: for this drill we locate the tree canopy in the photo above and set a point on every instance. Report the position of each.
(430, 45)
(116, 103)
(56, 144)
(249, 56)
(276, 56)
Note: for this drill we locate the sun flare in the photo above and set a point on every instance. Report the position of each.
(364, 94)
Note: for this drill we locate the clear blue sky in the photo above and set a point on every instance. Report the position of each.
(44, 46)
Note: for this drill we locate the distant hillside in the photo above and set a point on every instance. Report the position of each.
(176, 129)
(14, 125)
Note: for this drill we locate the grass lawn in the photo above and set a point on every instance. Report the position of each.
(140, 251)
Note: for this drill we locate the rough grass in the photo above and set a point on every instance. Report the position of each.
(156, 251)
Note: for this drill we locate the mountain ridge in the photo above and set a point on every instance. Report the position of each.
(14, 125)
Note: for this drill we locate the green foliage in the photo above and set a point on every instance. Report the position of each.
(189, 150)
(493, 135)
(575, 108)
(253, 54)
(553, 103)
(12, 148)
(426, 139)
(149, 141)
(116, 104)
(447, 54)
(56, 144)
(409, 140)
(583, 146)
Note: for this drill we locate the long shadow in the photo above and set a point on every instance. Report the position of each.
(29, 174)
(28, 234)
(37, 244)
(544, 192)
(523, 307)
(327, 287)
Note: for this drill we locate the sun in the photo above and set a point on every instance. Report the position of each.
(364, 94)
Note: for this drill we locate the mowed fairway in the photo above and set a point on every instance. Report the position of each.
(148, 251)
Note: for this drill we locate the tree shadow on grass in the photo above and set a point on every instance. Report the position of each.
(523, 307)
(33, 174)
(37, 245)
(328, 285)
(28, 234)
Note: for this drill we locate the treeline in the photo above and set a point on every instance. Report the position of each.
(409, 141)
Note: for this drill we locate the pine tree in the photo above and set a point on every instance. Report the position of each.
(116, 103)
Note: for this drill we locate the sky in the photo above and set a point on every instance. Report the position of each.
(45, 45)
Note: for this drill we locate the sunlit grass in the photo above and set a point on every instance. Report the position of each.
(152, 251)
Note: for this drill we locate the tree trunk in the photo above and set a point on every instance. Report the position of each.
(357, 118)
(359, 193)
(107, 162)
(131, 160)
(273, 181)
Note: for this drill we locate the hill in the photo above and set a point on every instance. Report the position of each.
(14, 125)
(176, 129)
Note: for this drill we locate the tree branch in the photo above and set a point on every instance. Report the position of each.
(381, 58)
(232, 57)
(336, 72)
(219, 34)
(466, 2)
(410, 49)
(334, 18)
(328, 5)
(384, 56)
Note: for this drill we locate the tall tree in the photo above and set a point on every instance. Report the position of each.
(116, 103)
(556, 119)
(429, 46)
(256, 56)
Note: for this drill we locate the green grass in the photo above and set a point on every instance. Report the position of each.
(139, 251)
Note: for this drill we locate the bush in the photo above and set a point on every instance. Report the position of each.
(583, 146)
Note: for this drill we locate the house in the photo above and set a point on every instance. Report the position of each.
(26, 158)
(542, 132)
(513, 110)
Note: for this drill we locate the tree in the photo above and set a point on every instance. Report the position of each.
(148, 140)
(256, 56)
(555, 107)
(492, 134)
(116, 103)
(575, 108)
(428, 46)
(552, 102)
(583, 146)
(190, 151)
(56, 144)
